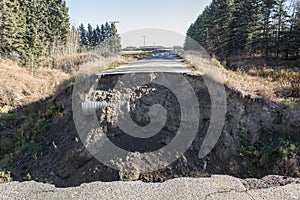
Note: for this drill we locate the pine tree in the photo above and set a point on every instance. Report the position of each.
(12, 27)
(266, 27)
(279, 17)
(107, 31)
(59, 24)
(94, 38)
(89, 35)
(292, 35)
(222, 36)
(103, 36)
(238, 27)
(98, 35)
(228, 28)
(33, 28)
(32, 38)
(83, 42)
(65, 24)
(254, 28)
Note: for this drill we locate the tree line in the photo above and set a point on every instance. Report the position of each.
(105, 38)
(230, 28)
(33, 31)
(30, 29)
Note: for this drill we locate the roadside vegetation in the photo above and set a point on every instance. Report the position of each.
(255, 43)
(40, 57)
(28, 108)
(256, 47)
(266, 143)
(237, 30)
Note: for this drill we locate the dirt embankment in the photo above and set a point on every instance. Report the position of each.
(39, 141)
(259, 137)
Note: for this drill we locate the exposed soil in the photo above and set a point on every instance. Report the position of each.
(259, 138)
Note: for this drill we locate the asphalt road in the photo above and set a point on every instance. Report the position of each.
(164, 62)
(217, 187)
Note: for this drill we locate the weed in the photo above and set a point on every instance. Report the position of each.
(278, 119)
(288, 148)
(39, 123)
(253, 153)
(6, 145)
(6, 159)
(283, 106)
(260, 155)
(5, 177)
(229, 116)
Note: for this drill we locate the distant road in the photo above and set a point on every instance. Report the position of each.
(162, 62)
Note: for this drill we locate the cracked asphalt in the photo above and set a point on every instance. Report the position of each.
(216, 187)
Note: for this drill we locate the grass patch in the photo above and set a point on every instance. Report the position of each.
(29, 138)
(262, 155)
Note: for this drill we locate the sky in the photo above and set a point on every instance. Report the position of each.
(161, 21)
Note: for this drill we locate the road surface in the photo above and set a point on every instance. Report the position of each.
(215, 188)
(163, 62)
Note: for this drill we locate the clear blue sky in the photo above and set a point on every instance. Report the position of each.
(174, 15)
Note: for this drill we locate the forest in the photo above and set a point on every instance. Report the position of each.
(232, 29)
(105, 37)
(32, 31)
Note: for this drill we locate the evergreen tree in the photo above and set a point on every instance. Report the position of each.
(83, 42)
(228, 28)
(33, 28)
(238, 27)
(89, 35)
(293, 34)
(94, 38)
(98, 35)
(12, 27)
(265, 36)
(34, 46)
(102, 34)
(59, 23)
(280, 15)
(254, 28)
(107, 31)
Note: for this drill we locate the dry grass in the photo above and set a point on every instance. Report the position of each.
(66, 63)
(99, 64)
(287, 81)
(19, 86)
(279, 85)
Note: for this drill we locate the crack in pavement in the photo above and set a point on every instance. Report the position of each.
(227, 192)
